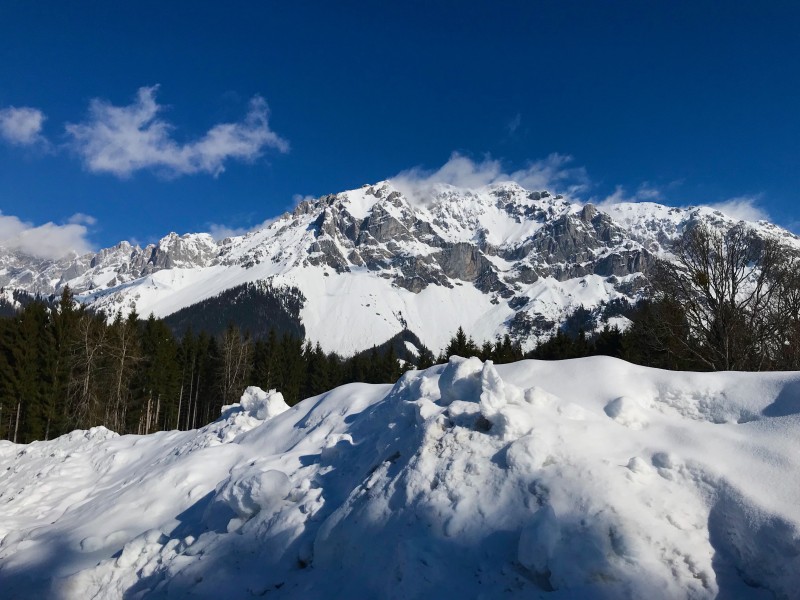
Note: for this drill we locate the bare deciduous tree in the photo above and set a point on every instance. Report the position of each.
(235, 361)
(736, 293)
(123, 356)
(88, 349)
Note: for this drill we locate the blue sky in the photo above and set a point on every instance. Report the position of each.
(130, 121)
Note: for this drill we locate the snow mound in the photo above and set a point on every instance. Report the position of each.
(262, 405)
(249, 489)
(589, 478)
(627, 411)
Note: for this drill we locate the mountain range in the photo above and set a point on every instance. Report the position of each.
(363, 265)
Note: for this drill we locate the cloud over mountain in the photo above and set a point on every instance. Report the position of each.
(743, 207)
(553, 172)
(47, 241)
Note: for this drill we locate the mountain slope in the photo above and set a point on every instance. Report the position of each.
(496, 260)
(589, 478)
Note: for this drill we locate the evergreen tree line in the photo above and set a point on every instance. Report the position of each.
(64, 367)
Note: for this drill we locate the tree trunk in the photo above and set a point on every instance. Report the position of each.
(180, 401)
(16, 426)
(147, 420)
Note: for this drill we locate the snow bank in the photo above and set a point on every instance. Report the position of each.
(590, 478)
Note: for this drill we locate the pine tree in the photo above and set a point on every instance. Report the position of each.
(461, 345)
(265, 361)
(292, 369)
(389, 367)
(64, 324)
(26, 373)
(425, 358)
(318, 373)
(157, 388)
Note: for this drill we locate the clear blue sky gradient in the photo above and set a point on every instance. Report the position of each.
(699, 99)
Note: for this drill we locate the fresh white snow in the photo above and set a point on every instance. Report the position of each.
(589, 478)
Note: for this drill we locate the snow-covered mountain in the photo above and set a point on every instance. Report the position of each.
(590, 478)
(500, 259)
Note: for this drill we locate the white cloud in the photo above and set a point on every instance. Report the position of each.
(220, 232)
(644, 193)
(82, 219)
(744, 208)
(552, 173)
(22, 126)
(514, 124)
(124, 139)
(49, 241)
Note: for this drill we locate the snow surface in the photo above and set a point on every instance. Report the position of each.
(589, 478)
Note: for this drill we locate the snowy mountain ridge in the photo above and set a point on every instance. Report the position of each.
(496, 260)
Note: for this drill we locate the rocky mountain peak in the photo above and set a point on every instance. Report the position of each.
(498, 259)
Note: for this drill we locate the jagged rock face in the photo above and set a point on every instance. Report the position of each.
(415, 246)
(418, 246)
(176, 251)
(527, 255)
(108, 267)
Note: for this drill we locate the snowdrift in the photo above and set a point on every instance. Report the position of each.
(590, 478)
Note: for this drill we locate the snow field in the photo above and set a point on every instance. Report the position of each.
(589, 478)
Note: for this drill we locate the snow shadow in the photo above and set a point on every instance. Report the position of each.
(272, 554)
(32, 578)
(755, 553)
(787, 403)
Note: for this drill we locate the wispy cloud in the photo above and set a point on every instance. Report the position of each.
(513, 124)
(219, 231)
(82, 219)
(552, 173)
(50, 240)
(124, 139)
(22, 126)
(555, 173)
(644, 193)
(745, 208)
(298, 198)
